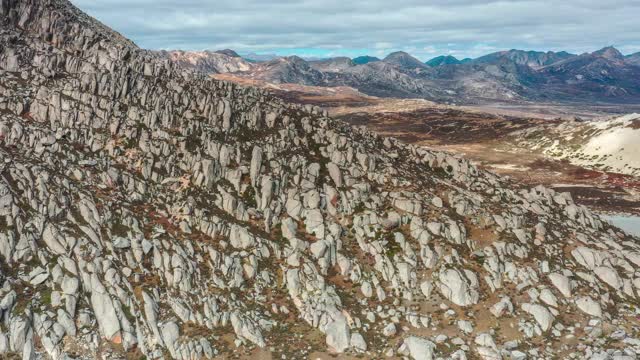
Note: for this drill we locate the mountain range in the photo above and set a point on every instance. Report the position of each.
(507, 76)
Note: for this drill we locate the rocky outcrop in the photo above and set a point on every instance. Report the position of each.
(418, 348)
(459, 287)
(149, 211)
(208, 62)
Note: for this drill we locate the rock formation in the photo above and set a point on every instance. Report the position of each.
(149, 211)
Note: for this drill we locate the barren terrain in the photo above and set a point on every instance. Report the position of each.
(148, 211)
(480, 133)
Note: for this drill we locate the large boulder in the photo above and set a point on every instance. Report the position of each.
(562, 283)
(418, 348)
(459, 287)
(589, 306)
(104, 310)
(337, 334)
(541, 314)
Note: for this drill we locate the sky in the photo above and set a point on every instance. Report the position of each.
(327, 28)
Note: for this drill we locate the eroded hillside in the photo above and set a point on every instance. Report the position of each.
(147, 210)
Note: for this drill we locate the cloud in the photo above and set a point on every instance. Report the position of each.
(465, 28)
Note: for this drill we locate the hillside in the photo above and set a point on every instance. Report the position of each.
(208, 61)
(533, 59)
(149, 211)
(608, 145)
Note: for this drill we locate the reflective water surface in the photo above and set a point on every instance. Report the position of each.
(630, 224)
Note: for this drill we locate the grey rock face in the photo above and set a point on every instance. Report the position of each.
(541, 314)
(104, 309)
(418, 348)
(460, 287)
(338, 338)
(146, 209)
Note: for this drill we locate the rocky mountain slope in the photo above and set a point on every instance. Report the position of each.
(292, 70)
(633, 59)
(333, 64)
(534, 59)
(605, 72)
(404, 61)
(148, 211)
(224, 61)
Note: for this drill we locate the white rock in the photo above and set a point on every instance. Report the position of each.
(337, 334)
(318, 249)
(150, 311)
(562, 283)
(245, 328)
(486, 340)
(336, 175)
(4, 343)
(543, 316)
(465, 326)
(609, 276)
(548, 298)
(38, 276)
(587, 257)
(487, 353)
(459, 287)
(256, 162)
(66, 322)
(70, 285)
(417, 348)
(366, 289)
(389, 330)
(289, 228)
(589, 306)
(103, 309)
(358, 343)
(53, 239)
(170, 334)
(501, 308)
(426, 287)
(121, 243)
(240, 238)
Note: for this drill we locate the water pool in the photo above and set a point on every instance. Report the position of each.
(628, 223)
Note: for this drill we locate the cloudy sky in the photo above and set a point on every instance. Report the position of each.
(425, 28)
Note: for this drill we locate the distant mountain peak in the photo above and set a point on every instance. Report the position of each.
(443, 60)
(295, 59)
(228, 52)
(254, 57)
(365, 59)
(610, 53)
(209, 62)
(531, 58)
(335, 64)
(404, 60)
